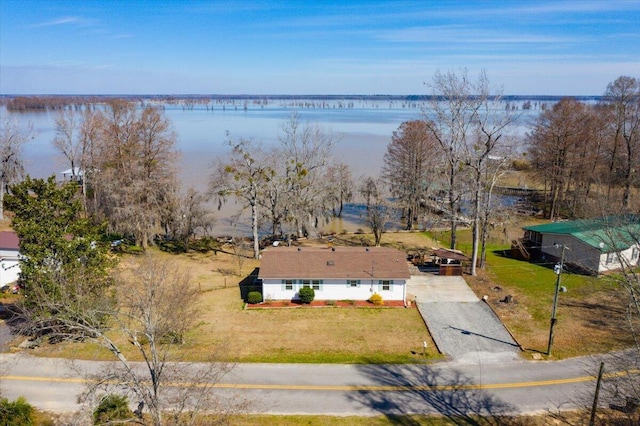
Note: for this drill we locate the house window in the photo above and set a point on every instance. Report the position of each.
(385, 285)
(353, 283)
(288, 284)
(611, 257)
(635, 253)
(305, 283)
(315, 284)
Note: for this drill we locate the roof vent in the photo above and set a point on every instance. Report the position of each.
(333, 249)
(329, 262)
(299, 248)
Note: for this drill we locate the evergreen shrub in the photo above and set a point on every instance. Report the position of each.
(254, 297)
(306, 294)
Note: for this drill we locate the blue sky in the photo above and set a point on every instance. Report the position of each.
(570, 47)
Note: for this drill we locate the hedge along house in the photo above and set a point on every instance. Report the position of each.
(335, 273)
(594, 245)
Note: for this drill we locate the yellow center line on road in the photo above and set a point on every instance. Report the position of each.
(350, 388)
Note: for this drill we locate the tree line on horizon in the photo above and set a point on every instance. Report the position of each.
(35, 102)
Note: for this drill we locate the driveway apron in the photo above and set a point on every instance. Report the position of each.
(463, 327)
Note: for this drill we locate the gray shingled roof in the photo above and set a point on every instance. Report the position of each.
(333, 263)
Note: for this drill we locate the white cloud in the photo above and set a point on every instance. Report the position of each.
(66, 20)
(462, 34)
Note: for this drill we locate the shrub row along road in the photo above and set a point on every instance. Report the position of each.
(449, 388)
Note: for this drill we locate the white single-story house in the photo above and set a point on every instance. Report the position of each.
(335, 273)
(75, 174)
(9, 257)
(593, 245)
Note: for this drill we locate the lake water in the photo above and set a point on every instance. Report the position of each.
(363, 131)
(363, 135)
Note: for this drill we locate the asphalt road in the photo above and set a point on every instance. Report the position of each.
(448, 388)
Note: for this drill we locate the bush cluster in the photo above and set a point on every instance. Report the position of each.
(254, 297)
(306, 294)
(112, 408)
(16, 413)
(521, 164)
(376, 299)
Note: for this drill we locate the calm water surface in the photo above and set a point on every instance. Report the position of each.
(362, 135)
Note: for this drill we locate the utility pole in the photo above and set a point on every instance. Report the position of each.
(595, 397)
(558, 271)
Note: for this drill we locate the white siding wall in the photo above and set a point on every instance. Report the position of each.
(335, 290)
(585, 256)
(9, 266)
(611, 261)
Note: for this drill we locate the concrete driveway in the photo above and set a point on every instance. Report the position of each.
(434, 288)
(462, 326)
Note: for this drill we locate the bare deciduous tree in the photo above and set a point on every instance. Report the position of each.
(67, 139)
(623, 97)
(449, 119)
(192, 215)
(379, 211)
(12, 140)
(76, 138)
(490, 125)
(157, 306)
(339, 187)
(409, 167)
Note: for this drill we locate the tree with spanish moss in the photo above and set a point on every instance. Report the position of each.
(306, 150)
(243, 176)
(136, 176)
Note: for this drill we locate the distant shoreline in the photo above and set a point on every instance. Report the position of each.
(353, 97)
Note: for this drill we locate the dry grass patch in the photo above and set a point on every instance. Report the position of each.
(349, 335)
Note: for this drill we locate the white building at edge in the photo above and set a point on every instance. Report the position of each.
(9, 257)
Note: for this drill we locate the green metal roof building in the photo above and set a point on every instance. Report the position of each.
(595, 245)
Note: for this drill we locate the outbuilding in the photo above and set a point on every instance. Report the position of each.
(593, 245)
